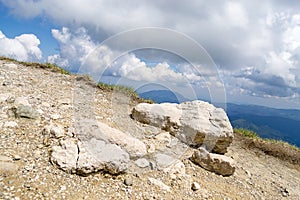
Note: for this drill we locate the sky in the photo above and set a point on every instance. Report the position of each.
(248, 49)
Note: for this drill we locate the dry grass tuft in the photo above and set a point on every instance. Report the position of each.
(276, 148)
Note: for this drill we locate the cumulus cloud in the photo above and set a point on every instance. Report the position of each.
(24, 47)
(80, 54)
(73, 47)
(262, 35)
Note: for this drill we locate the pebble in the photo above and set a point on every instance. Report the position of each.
(55, 116)
(128, 182)
(195, 186)
(284, 192)
(17, 157)
(159, 184)
(11, 124)
(22, 101)
(8, 168)
(26, 112)
(142, 163)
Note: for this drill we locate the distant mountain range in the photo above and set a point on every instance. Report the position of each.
(280, 124)
(162, 96)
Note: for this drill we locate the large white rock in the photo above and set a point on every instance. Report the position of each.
(196, 123)
(216, 163)
(87, 129)
(96, 155)
(89, 156)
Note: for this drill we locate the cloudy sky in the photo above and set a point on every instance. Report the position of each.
(254, 46)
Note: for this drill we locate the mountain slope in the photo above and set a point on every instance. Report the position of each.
(25, 148)
(267, 122)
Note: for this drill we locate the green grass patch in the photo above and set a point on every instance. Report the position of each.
(246, 133)
(125, 90)
(8, 59)
(50, 66)
(120, 88)
(283, 143)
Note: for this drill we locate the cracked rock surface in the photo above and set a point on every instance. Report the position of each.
(195, 123)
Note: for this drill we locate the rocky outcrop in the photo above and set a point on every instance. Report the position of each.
(196, 123)
(99, 147)
(90, 156)
(216, 163)
(86, 129)
(96, 155)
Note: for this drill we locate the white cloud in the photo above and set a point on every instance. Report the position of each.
(80, 54)
(24, 47)
(259, 34)
(74, 47)
(236, 14)
(134, 69)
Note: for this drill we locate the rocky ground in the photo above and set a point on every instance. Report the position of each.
(33, 99)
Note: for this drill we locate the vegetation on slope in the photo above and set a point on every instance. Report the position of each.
(50, 66)
(276, 148)
(103, 86)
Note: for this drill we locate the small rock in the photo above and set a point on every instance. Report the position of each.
(46, 104)
(142, 163)
(62, 188)
(248, 173)
(284, 192)
(29, 167)
(22, 101)
(10, 124)
(11, 66)
(195, 186)
(4, 97)
(17, 157)
(54, 131)
(159, 184)
(128, 182)
(26, 112)
(7, 168)
(55, 116)
(177, 168)
(163, 161)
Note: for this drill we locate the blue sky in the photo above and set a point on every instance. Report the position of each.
(13, 26)
(255, 45)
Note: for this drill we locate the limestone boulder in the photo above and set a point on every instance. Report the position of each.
(89, 156)
(195, 123)
(219, 164)
(96, 155)
(87, 129)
